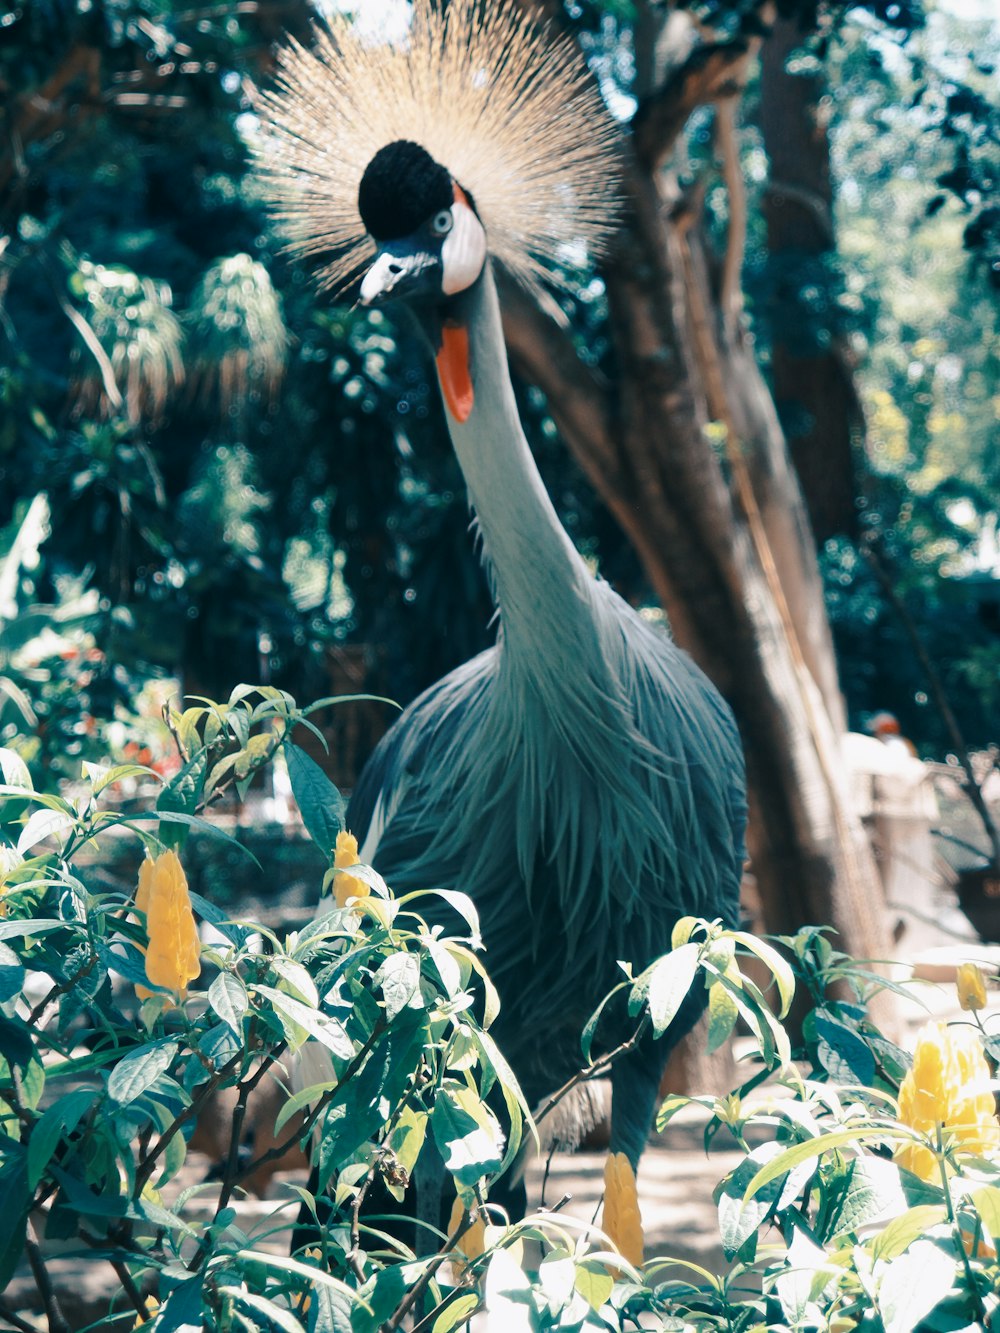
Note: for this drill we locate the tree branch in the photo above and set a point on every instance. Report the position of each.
(731, 292)
(712, 71)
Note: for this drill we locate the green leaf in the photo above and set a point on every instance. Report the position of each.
(902, 1231)
(271, 1315)
(467, 1135)
(102, 776)
(874, 1190)
(683, 930)
(191, 821)
(407, 1137)
(44, 824)
(329, 1032)
(491, 1001)
(320, 803)
(228, 997)
(508, 1295)
(517, 1107)
(456, 1312)
(14, 769)
(843, 1054)
(215, 916)
(295, 979)
(594, 1285)
(912, 1285)
(61, 1118)
(382, 1294)
(740, 1212)
(140, 1069)
(461, 902)
(664, 985)
(12, 974)
(16, 1045)
(781, 971)
(399, 979)
(181, 796)
(301, 1099)
(329, 1311)
(590, 1028)
(723, 1012)
(182, 1311)
(16, 1196)
(986, 1202)
(802, 1152)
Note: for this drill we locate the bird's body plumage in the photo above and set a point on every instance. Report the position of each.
(582, 781)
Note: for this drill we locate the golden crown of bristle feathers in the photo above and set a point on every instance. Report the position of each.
(509, 110)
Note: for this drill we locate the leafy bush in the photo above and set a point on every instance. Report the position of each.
(868, 1195)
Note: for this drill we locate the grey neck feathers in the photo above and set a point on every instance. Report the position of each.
(542, 586)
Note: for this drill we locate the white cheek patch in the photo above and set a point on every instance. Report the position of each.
(463, 252)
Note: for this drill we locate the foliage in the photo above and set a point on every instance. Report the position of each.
(99, 1092)
(229, 497)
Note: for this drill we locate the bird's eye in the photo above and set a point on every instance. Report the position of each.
(441, 223)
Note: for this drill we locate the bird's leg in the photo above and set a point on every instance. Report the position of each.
(635, 1079)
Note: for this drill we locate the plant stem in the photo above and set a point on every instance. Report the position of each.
(146, 1164)
(423, 1282)
(15, 1320)
(61, 989)
(956, 1227)
(129, 1287)
(232, 1175)
(53, 1313)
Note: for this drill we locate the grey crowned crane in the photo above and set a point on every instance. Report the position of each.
(582, 780)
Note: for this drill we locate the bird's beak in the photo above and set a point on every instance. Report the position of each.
(404, 271)
(401, 272)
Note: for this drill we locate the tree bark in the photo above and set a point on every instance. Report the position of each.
(810, 367)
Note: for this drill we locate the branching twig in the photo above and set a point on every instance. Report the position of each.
(15, 1320)
(61, 989)
(597, 1070)
(424, 1281)
(326, 1100)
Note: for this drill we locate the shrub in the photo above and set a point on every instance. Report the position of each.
(117, 1027)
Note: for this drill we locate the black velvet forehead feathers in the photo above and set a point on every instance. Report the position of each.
(402, 187)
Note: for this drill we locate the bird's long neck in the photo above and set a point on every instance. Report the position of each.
(542, 586)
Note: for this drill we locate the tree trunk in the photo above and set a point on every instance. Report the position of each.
(813, 385)
(722, 532)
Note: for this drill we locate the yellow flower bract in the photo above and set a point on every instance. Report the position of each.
(472, 1243)
(621, 1219)
(347, 886)
(971, 986)
(172, 958)
(948, 1086)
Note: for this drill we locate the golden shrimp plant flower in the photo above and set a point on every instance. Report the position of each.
(472, 1243)
(172, 956)
(947, 1090)
(347, 886)
(621, 1220)
(971, 986)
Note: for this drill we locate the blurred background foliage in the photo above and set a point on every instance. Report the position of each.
(207, 472)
